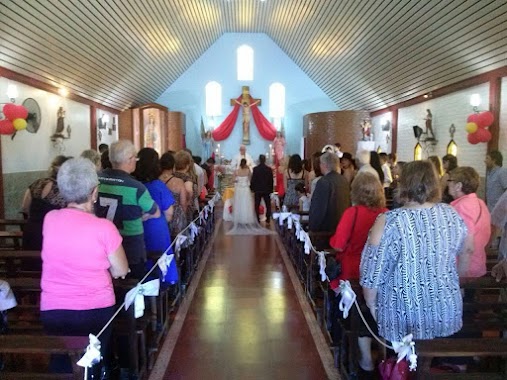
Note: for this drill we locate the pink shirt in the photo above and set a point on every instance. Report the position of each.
(75, 263)
(475, 214)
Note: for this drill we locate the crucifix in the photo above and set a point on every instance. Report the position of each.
(245, 104)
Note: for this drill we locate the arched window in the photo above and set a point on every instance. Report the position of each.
(213, 99)
(245, 63)
(277, 101)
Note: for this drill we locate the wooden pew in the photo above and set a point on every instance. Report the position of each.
(44, 345)
(446, 347)
(11, 239)
(17, 263)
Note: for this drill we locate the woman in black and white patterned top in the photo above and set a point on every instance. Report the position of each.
(408, 266)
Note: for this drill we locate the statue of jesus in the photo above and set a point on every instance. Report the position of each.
(246, 119)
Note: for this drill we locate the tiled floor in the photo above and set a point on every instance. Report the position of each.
(245, 321)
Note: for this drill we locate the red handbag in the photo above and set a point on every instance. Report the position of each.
(391, 370)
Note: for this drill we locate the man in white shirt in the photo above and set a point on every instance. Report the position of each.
(242, 154)
(384, 164)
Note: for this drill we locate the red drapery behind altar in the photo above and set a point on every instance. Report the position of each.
(266, 129)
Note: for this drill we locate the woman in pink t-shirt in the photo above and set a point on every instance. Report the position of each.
(80, 254)
(462, 184)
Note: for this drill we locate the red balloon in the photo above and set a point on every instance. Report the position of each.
(473, 138)
(13, 111)
(473, 118)
(6, 127)
(485, 119)
(483, 135)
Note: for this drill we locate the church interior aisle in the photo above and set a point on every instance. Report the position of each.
(245, 320)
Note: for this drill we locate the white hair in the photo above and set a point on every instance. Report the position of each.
(363, 156)
(76, 180)
(121, 151)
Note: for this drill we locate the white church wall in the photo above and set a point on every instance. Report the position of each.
(446, 110)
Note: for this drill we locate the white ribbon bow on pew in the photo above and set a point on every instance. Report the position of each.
(348, 297)
(322, 265)
(301, 235)
(136, 296)
(293, 218)
(164, 262)
(406, 349)
(92, 355)
(308, 244)
(194, 231)
(281, 216)
(180, 239)
(7, 299)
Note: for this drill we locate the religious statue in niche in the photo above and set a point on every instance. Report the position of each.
(366, 129)
(151, 134)
(279, 147)
(246, 103)
(58, 137)
(429, 125)
(207, 145)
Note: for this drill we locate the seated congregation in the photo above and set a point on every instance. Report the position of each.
(415, 244)
(100, 232)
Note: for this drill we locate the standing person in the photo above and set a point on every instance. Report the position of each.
(80, 254)
(375, 164)
(449, 163)
(496, 178)
(103, 148)
(126, 202)
(295, 174)
(41, 197)
(463, 185)
(388, 178)
(317, 174)
(183, 169)
(180, 194)
(347, 165)
(242, 154)
(157, 237)
(420, 242)
(368, 202)
(304, 199)
(243, 214)
(331, 196)
(363, 158)
(262, 186)
(93, 156)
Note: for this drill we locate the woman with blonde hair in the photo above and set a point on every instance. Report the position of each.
(184, 169)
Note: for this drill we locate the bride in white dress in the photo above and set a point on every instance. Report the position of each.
(243, 211)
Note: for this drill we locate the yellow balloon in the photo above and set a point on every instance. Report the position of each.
(19, 124)
(471, 127)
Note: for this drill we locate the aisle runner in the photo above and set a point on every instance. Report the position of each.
(164, 356)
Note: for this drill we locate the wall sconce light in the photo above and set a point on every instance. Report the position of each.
(418, 147)
(452, 147)
(63, 92)
(475, 102)
(12, 92)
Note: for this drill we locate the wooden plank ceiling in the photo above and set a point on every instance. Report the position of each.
(364, 54)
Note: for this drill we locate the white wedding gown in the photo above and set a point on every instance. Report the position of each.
(243, 211)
